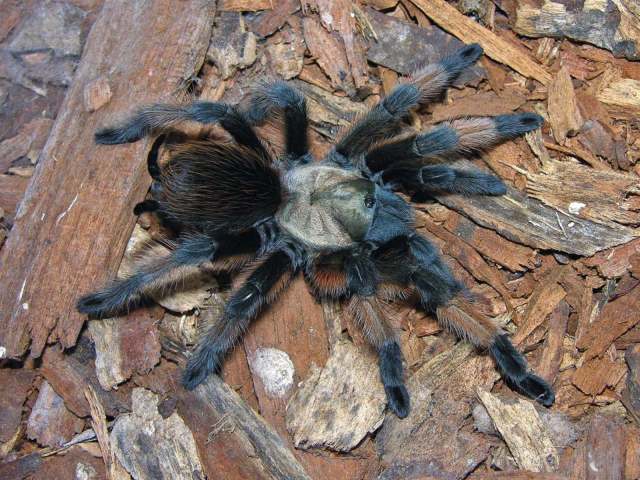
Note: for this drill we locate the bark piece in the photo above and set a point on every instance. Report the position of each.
(69, 377)
(125, 346)
(53, 25)
(232, 47)
(524, 432)
(268, 22)
(246, 5)
(114, 469)
(553, 348)
(21, 468)
(604, 453)
(564, 114)
(233, 440)
(328, 51)
(609, 24)
(617, 261)
(596, 374)
(513, 256)
(151, 447)
(431, 441)
(28, 143)
(615, 319)
(489, 103)
(405, 47)
(603, 196)
(338, 406)
(286, 53)
(97, 94)
(12, 188)
(544, 299)
(528, 221)
(89, 213)
(50, 423)
(632, 356)
(622, 92)
(467, 30)
(15, 384)
(344, 17)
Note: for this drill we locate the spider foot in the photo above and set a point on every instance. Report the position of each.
(398, 400)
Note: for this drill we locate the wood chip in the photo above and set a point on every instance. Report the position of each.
(544, 299)
(467, 30)
(405, 47)
(553, 348)
(610, 24)
(596, 374)
(233, 440)
(335, 407)
(151, 447)
(623, 92)
(615, 262)
(50, 423)
(616, 318)
(246, 5)
(526, 220)
(605, 448)
(232, 47)
(15, 385)
(270, 21)
(632, 356)
(328, 51)
(513, 256)
(431, 442)
(125, 346)
(97, 94)
(564, 114)
(114, 469)
(524, 432)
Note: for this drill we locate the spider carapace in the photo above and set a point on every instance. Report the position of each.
(337, 220)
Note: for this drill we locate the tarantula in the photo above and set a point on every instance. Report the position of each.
(337, 220)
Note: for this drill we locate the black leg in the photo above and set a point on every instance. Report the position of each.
(161, 117)
(262, 286)
(442, 178)
(383, 121)
(282, 97)
(458, 136)
(514, 369)
(190, 252)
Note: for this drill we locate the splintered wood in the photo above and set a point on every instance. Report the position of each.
(555, 262)
(65, 209)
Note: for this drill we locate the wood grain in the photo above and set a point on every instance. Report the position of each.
(73, 224)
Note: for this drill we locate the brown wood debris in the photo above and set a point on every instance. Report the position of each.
(610, 24)
(32, 304)
(336, 409)
(555, 262)
(522, 429)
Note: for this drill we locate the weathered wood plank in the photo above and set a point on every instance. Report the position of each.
(76, 214)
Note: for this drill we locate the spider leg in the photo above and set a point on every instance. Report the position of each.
(384, 119)
(261, 287)
(366, 308)
(160, 117)
(190, 252)
(442, 178)
(279, 97)
(437, 287)
(152, 205)
(458, 136)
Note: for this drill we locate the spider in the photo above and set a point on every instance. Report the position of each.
(338, 220)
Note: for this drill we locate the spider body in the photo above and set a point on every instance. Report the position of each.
(337, 220)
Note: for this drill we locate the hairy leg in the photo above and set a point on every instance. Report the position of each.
(190, 252)
(366, 308)
(384, 120)
(261, 287)
(157, 118)
(437, 289)
(442, 178)
(457, 136)
(281, 98)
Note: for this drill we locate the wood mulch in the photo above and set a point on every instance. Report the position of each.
(556, 260)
